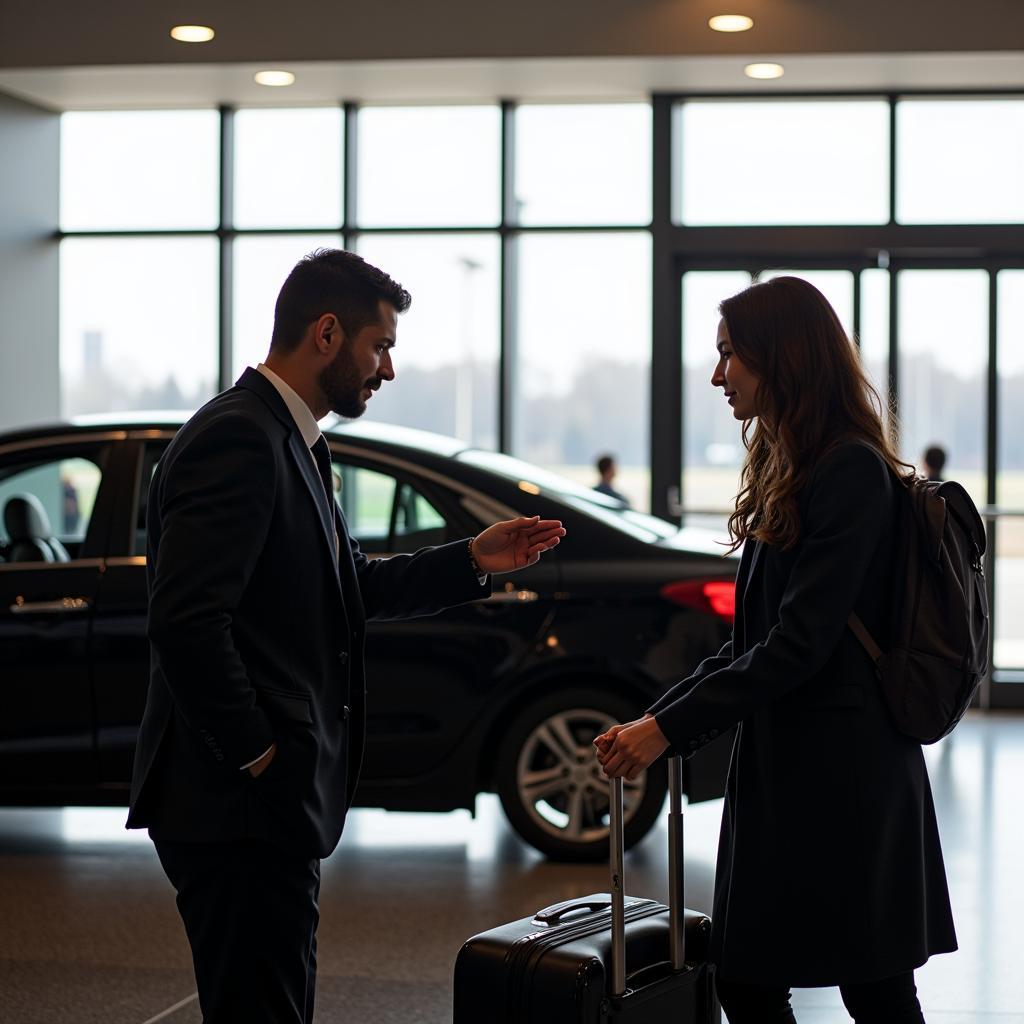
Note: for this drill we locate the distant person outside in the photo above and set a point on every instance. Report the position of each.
(71, 512)
(933, 462)
(607, 469)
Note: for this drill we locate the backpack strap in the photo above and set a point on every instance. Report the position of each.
(860, 631)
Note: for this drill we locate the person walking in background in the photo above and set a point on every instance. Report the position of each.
(70, 512)
(607, 470)
(252, 738)
(933, 462)
(829, 867)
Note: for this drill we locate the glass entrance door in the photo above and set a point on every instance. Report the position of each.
(944, 347)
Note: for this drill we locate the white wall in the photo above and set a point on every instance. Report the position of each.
(29, 293)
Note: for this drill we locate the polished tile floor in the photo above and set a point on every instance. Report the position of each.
(88, 929)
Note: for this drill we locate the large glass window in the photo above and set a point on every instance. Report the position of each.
(1010, 327)
(138, 323)
(874, 330)
(140, 317)
(1008, 611)
(784, 162)
(139, 169)
(579, 164)
(429, 166)
(446, 357)
(712, 446)
(960, 161)
(288, 168)
(943, 344)
(583, 353)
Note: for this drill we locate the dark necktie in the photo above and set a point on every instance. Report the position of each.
(322, 455)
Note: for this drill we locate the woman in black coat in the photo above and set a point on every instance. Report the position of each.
(829, 865)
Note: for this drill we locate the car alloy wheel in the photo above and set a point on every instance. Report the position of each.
(560, 780)
(551, 784)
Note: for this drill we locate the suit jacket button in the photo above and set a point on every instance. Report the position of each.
(343, 657)
(344, 713)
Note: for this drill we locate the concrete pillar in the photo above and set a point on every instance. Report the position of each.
(29, 289)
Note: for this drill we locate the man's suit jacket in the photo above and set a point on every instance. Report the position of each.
(829, 867)
(257, 620)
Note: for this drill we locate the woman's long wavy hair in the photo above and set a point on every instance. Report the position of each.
(812, 394)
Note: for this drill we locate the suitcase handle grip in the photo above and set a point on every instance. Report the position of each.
(553, 915)
(675, 867)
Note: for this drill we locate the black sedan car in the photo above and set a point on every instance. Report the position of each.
(504, 695)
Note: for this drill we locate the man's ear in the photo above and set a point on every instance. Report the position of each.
(328, 334)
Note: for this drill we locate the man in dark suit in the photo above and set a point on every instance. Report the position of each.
(251, 743)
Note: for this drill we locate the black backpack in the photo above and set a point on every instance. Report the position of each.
(940, 621)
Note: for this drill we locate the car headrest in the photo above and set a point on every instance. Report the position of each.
(26, 519)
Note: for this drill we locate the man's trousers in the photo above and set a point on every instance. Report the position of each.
(250, 911)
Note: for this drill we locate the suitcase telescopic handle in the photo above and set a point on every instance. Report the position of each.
(677, 943)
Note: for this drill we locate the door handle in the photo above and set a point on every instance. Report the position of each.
(511, 595)
(61, 606)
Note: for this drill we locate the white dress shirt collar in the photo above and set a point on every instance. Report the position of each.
(296, 406)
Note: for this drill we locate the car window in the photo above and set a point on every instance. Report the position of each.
(417, 522)
(60, 494)
(384, 515)
(367, 498)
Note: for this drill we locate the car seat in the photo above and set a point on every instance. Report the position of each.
(28, 528)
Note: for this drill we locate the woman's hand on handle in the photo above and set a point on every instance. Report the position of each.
(626, 750)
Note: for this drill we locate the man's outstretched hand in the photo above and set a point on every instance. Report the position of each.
(516, 544)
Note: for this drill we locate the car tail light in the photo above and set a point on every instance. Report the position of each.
(715, 596)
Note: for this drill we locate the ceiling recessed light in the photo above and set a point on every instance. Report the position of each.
(192, 33)
(764, 71)
(731, 23)
(275, 78)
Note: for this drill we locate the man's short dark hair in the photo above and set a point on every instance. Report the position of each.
(605, 462)
(332, 281)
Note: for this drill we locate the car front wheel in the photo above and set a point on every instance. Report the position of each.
(551, 784)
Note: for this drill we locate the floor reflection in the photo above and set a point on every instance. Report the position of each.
(89, 930)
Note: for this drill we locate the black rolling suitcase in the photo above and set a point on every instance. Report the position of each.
(602, 958)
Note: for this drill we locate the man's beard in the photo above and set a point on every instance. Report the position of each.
(343, 386)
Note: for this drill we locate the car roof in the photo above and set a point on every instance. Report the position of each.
(369, 432)
(457, 456)
(94, 424)
(391, 434)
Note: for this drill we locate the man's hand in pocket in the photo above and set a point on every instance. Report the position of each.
(257, 768)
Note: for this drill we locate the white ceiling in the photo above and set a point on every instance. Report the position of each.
(176, 85)
(70, 54)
